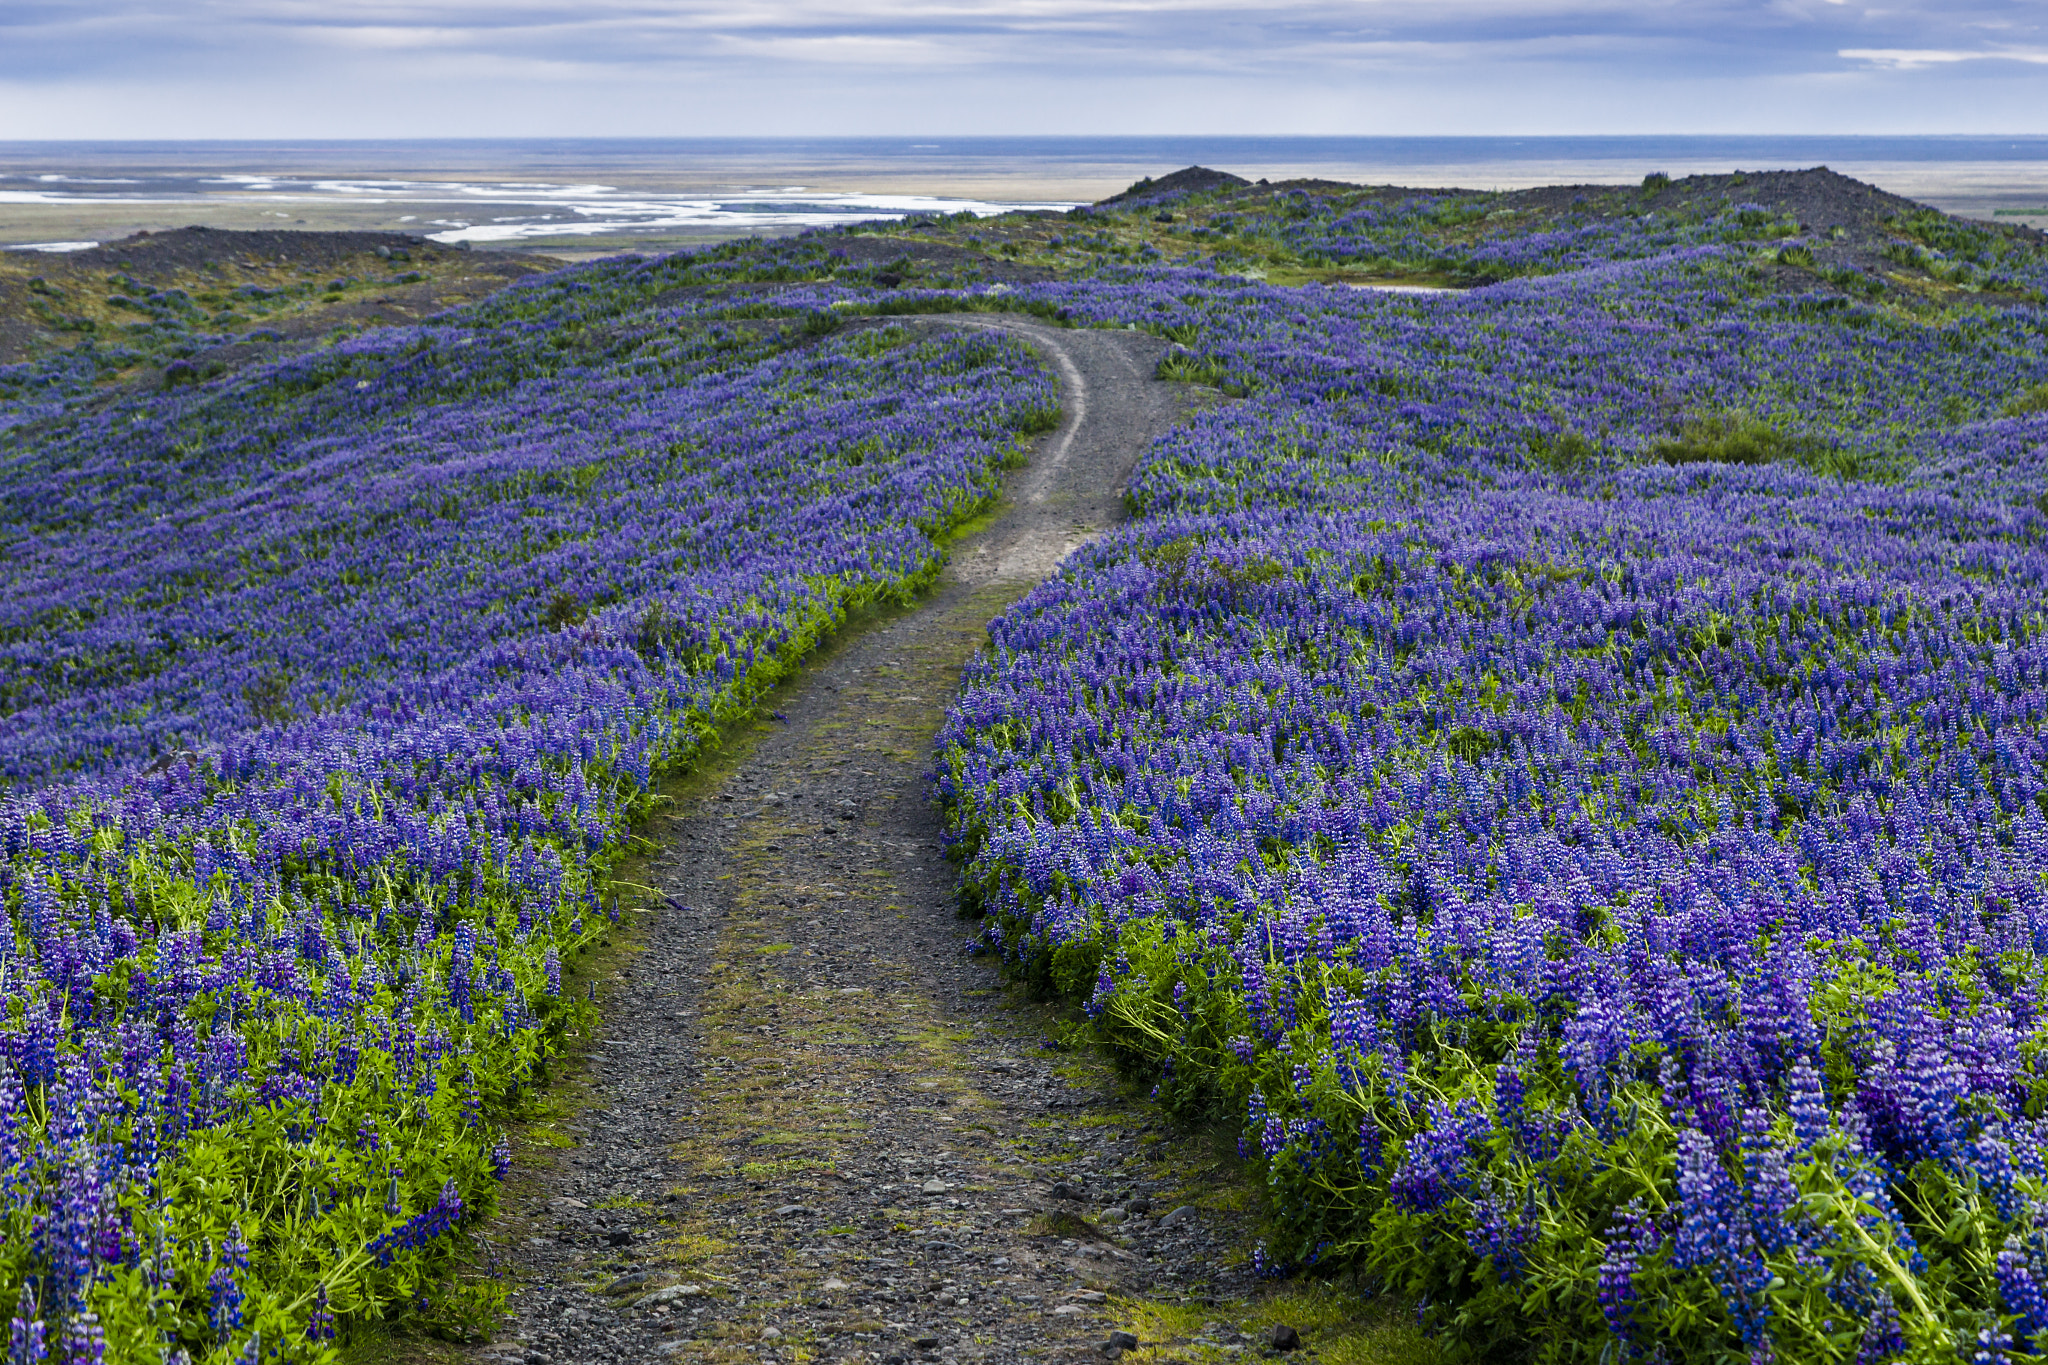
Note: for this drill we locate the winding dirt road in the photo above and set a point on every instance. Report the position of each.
(810, 1127)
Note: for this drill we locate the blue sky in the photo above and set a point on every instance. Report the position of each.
(346, 68)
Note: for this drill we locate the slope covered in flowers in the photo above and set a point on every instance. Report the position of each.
(1859, 239)
(330, 693)
(1567, 765)
(1562, 761)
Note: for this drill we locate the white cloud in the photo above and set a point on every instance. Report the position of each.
(1912, 59)
(388, 37)
(849, 50)
(682, 67)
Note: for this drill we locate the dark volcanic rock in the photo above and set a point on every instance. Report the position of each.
(149, 254)
(1192, 180)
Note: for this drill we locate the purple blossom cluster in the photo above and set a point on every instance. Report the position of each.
(392, 508)
(1477, 236)
(331, 693)
(421, 1228)
(1612, 891)
(1613, 359)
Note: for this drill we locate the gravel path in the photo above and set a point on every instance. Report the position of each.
(810, 1127)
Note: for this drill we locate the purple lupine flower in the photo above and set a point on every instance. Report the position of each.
(1257, 1118)
(1105, 987)
(1272, 1136)
(13, 1102)
(320, 1323)
(1633, 1236)
(1993, 1345)
(1436, 1163)
(1714, 1235)
(421, 1228)
(1768, 1189)
(2021, 1291)
(1501, 1229)
(1266, 1266)
(1884, 1337)
(1807, 1102)
(25, 1334)
(461, 963)
(1990, 1159)
(85, 1343)
(74, 1229)
(224, 1304)
(234, 1252)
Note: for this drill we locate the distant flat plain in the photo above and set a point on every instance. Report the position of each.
(588, 197)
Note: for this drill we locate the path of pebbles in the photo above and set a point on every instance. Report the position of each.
(810, 1128)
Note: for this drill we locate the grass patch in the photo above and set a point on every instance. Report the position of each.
(1744, 439)
(1730, 438)
(2033, 400)
(1341, 1325)
(1062, 1224)
(693, 1248)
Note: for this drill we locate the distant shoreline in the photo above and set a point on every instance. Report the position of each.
(472, 188)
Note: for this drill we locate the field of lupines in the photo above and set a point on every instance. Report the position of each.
(1563, 762)
(330, 694)
(1567, 765)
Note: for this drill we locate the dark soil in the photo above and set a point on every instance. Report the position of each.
(812, 1127)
